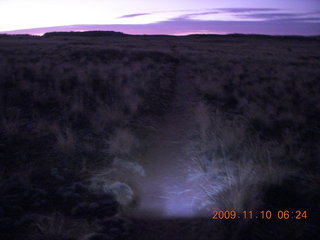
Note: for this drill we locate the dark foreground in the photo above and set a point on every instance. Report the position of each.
(110, 136)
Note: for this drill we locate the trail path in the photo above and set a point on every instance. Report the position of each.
(166, 191)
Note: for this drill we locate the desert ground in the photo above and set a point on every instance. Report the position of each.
(106, 136)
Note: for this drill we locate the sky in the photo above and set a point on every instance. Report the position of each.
(173, 17)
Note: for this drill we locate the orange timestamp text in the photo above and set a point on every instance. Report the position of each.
(264, 214)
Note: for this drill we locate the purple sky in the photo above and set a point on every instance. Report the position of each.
(176, 17)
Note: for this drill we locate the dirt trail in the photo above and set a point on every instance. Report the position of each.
(165, 191)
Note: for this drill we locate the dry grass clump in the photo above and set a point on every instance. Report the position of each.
(231, 166)
(55, 226)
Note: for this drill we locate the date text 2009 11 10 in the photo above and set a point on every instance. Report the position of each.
(265, 214)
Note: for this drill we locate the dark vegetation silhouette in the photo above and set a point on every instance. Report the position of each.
(84, 34)
(78, 111)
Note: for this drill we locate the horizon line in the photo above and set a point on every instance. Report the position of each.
(161, 28)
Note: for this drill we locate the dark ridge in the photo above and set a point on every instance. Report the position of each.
(5, 35)
(257, 36)
(84, 34)
(269, 36)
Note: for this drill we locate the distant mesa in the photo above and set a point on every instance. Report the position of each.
(84, 34)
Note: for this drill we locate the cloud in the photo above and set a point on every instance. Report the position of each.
(252, 14)
(244, 10)
(240, 13)
(134, 15)
(281, 16)
(190, 15)
(269, 16)
(201, 13)
(235, 12)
